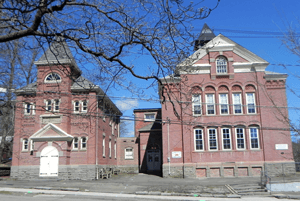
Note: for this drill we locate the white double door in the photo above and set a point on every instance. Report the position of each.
(49, 162)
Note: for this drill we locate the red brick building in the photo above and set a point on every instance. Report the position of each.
(65, 126)
(227, 116)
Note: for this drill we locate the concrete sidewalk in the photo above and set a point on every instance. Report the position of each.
(141, 184)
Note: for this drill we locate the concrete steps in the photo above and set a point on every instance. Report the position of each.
(249, 189)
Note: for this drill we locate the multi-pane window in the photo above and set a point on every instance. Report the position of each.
(237, 103)
(31, 145)
(226, 138)
(84, 106)
(198, 139)
(56, 105)
(250, 103)
(196, 104)
(221, 64)
(109, 147)
(53, 77)
(240, 138)
(129, 153)
(223, 103)
(254, 142)
(115, 149)
(149, 117)
(25, 145)
(75, 143)
(210, 103)
(76, 106)
(212, 139)
(49, 105)
(83, 142)
(29, 109)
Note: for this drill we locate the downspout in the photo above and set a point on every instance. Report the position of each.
(97, 168)
(181, 116)
(169, 157)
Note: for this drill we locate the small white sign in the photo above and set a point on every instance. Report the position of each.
(281, 146)
(176, 154)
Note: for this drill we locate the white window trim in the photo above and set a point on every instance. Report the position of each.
(241, 103)
(236, 139)
(82, 106)
(54, 105)
(127, 156)
(149, 119)
(226, 138)
(194, 103)
(195, 147)
(109, 147)
(47, 105)
(31, 145)
(226, 65)
(115, 149)
(208, 139)
(113, 129)
(249, 103)
(103, 147)
(73, 144)
(81, 141)
(74, 105)
(220, 104)
(31, 108)
(213, 103)
(52, 81)
(23, 144)
(257, 130)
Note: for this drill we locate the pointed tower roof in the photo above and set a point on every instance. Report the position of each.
(205, 36)
(58, 53)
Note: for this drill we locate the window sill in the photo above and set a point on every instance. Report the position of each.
(24, 151)
(129, 159)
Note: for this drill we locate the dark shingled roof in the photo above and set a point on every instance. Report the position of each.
(58, 53)
(83, 83)
(205, 36)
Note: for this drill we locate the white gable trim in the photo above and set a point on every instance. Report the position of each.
(38, 136)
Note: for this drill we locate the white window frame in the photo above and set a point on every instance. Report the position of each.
(56, 103)
(25, 144)
(31, 145)
(84, 106)
(250, 103)
(223, 139)
(30, 107)
(209, 103)
(103, 147)
(76, 106)
(223, 104)
(196, 134)
(221, 65)
(196, 102)
(113, 129)
(75, 141)
(115, 149)
(53, 80)
(243, 138)
(82, 142)
(251, 137)
(237, 104)
(211, 139)
(48, 104)
(109, 147)
(148, 118)
(129, 153)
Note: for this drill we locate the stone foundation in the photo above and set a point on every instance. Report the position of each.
(279, 169)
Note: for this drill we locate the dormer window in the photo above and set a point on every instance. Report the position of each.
(149, 117)
(52, 78)
(221, 65)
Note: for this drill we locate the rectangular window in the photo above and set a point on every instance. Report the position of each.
(76, 106)
(250, 103)
(75, 143)
(27, 109)
(223, 103)
(115, 149)
(31, 145)
(254, 138)
(212, 139)
(25, 144)
(198, 140)
(240, 138)
(83, 143)
(237, 103)
(84, 106)
(226, 138)
(113, 129)
(109, 146)
(128, 153)
(49, 105)
(149, 117)
(196, 104)
(210, 103)
(103, 147)
(56, 105)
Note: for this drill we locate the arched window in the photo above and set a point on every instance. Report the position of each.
(221, 64)
(52, 78)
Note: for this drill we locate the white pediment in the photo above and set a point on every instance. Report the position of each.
(50, 132)
(220, 44)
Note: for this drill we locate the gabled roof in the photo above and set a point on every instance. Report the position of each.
(81, 83)
(58, 53)
(222, 43)
(50, 132)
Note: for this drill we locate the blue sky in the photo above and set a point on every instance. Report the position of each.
(235, 19)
